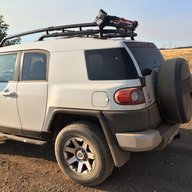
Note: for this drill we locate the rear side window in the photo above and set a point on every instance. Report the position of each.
(34, 66)
(110, 64)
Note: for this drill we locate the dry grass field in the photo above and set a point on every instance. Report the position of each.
(185, 53)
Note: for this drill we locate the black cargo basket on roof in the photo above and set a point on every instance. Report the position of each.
(104, 26)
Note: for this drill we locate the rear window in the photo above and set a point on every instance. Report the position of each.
(109, 64)
(147, 55)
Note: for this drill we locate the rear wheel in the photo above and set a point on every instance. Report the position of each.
(82, 153)
(174, 90)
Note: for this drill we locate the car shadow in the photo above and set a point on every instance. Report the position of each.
(28, 150)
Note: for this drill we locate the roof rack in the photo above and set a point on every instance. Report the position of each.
(104, 26)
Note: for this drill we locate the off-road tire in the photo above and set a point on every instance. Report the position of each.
(76, 143)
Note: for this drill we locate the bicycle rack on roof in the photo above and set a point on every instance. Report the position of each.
(104, 26)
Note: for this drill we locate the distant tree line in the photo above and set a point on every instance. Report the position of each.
(3, 33)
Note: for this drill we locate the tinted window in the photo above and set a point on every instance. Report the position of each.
(146, 54)
(109, 64)
(34, 66)
(7, 67)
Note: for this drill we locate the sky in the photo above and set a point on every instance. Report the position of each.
(167, 23)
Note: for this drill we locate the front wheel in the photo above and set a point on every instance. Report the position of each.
(82, 153)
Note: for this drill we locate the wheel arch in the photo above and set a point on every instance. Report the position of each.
(62, 117)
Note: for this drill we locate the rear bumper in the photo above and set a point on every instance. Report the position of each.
(149, 139)
(133, 120)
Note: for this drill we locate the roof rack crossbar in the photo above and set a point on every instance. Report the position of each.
(96, 33)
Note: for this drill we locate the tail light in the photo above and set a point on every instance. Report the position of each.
(129, 96)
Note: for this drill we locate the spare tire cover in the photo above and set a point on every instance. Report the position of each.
(174, 91)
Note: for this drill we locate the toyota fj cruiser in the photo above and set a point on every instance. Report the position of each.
(96, 94)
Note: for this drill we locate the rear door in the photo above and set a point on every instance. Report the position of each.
(148, 60)
(32, 91)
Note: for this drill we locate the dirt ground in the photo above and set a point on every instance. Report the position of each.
(30, 168)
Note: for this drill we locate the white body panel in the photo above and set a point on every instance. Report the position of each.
(32, 100)
(79, 96)
(69, 86)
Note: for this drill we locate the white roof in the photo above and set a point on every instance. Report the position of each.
(66, 44)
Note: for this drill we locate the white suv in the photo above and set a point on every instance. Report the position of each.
(96, 96)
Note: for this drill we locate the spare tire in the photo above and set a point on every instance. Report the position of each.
(174, 91)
